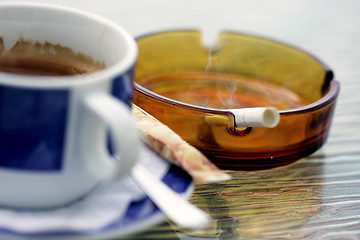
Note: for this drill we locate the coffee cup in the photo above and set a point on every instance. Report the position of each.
(66, 86)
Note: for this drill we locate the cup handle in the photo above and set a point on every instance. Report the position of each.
(103, 110)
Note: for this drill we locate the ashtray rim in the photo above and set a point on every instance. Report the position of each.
(330, 88)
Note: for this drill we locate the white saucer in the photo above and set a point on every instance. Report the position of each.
(140, 215)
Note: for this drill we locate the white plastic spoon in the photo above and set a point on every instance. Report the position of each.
(176, 208)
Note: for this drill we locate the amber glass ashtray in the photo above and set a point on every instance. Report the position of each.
(196, 91)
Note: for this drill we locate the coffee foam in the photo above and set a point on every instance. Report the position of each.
(34, 58)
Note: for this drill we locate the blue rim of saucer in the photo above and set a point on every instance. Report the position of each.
(137, 212)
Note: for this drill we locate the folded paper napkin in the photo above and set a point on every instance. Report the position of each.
(107, 202)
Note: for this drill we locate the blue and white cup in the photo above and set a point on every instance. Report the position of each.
(54, 144)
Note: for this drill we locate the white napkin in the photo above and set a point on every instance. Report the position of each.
(107, 202)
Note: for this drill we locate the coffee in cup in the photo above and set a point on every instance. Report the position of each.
(34, 58)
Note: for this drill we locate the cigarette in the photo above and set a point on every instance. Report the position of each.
(256, 117)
